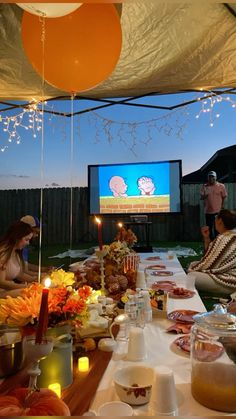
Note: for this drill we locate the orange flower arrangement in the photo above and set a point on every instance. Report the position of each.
(64, 304)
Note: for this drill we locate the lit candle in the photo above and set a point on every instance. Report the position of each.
(56, 387)
(99, 224)
(120, 225)
(83, 364)
(43, 313)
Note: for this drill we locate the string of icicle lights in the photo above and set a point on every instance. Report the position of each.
(29, 118)
(130, 134)
(208, 106)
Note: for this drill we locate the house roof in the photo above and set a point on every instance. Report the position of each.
(223, 162)
(167, 47)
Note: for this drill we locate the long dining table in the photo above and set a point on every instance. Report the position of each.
(88, 391)
(160, 347)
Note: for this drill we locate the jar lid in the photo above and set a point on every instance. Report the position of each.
(218, 319)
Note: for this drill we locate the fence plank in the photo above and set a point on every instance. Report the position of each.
(57, 207)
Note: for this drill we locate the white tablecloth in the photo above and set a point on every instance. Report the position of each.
(161, 351)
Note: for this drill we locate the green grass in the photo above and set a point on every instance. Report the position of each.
(56, 249)
(208, 299)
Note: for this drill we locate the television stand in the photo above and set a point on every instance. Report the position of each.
(143, 225)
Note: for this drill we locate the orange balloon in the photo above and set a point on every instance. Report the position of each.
(80, 49)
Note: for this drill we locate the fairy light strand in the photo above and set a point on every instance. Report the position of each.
(209, 104)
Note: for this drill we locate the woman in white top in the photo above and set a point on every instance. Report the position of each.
(12, 243)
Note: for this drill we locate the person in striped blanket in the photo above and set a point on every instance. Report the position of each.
(216, 271)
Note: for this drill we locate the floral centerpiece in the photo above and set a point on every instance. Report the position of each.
(118, 275)
(65, 303)
(126, 236)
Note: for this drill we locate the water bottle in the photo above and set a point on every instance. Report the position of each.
(147, 306)
(131, 310)
(140, 309)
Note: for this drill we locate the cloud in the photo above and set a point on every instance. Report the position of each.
(54, 184)
(15, 176)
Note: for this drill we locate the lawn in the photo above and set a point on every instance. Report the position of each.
(56, 249)
(209, 300)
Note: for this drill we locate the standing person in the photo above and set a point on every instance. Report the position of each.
(12, 244)
(213, 193)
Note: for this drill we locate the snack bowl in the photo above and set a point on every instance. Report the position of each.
(133, 384)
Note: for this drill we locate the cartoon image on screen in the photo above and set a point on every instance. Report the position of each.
(118, 186)
(135, 188)
(146, 185)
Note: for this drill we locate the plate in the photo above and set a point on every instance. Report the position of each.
(180, 328)
(179, 293)
(163, 273)
(182, 316)
(183, 342)
(155, 267)
(153, 258)
(164, 285)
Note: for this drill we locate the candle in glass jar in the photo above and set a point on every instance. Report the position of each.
(56, 387)
(43, 313)
(99, 224)
(83, 364)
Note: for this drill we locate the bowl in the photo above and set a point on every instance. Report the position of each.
(133, 384)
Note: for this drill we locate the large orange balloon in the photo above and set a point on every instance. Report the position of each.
(80, 50)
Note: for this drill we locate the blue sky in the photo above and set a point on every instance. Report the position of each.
(119, 134)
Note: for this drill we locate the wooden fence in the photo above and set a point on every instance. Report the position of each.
(57, 214)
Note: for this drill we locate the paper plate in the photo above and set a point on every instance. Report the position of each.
(182, 316)
(153, 258)
(179, 293)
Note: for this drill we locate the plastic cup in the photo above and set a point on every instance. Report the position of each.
(163, 400)
(136, 346)
(115, 408)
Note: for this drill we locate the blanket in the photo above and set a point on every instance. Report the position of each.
(219, 261)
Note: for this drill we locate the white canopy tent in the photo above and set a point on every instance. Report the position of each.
(167, 47)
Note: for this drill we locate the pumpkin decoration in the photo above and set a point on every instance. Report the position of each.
(40, 403)
(89, 344)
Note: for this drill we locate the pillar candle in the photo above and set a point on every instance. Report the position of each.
(99, 224)
(43, 313)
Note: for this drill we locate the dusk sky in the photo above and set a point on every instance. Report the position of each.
(119, 134)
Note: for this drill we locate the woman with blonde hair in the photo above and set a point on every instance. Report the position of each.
(216, 271)
(12, 244)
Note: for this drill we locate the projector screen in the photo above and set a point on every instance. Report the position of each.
(135, 188)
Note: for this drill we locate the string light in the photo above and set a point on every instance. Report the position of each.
(30, 118)
(210, 102)
(128, 133)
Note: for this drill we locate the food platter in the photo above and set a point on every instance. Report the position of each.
(179, 293)
(164, 285)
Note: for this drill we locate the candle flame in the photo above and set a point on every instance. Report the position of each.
(47, 282)
(120, 225)
(98, 221)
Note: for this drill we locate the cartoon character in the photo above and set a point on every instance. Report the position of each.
(118, 186)
(146, 185)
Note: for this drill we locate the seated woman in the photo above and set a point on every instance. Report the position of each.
(216, 271)
(11, 261)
